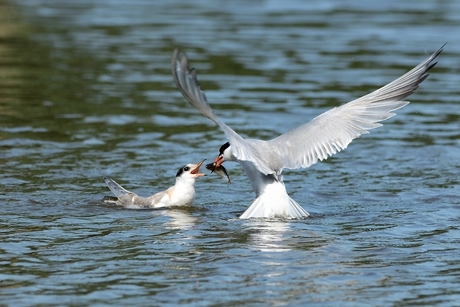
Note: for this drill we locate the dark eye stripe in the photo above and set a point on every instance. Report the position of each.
(182, 170)
(223, 147)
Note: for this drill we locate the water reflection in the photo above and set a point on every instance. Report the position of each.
(179, 219)
(86, 88)
(268, 235)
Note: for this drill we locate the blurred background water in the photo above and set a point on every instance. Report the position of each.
(86, 91)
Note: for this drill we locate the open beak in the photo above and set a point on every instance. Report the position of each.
(195, 171)
(218, 161)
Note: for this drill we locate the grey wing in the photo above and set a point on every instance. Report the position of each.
(116, 189)
(333, 130)
(187, 83)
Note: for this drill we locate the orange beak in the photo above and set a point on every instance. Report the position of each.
(196, 170)
(218, 161)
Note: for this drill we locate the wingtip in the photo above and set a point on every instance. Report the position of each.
(435, 54)
(174, 56)
(432, 64)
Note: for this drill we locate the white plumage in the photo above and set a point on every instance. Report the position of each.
(325, 135)
(181, 194)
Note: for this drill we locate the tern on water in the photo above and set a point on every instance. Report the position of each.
(325, 135)
(181, 194)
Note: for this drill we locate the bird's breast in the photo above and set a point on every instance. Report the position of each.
(259, 181)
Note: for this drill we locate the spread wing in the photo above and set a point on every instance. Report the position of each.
(318, 139)
(186, 81)
(333, 130)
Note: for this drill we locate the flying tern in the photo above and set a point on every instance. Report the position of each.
(325, 135)
(181, 194)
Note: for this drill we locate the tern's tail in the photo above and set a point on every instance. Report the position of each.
(116, 189)
(274, 202)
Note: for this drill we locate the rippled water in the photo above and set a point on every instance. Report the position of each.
(86, 91)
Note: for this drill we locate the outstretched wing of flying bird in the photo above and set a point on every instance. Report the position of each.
(318, 139)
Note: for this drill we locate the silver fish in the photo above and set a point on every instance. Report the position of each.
(221, 171)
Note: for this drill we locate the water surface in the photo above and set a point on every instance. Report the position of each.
(86, 91)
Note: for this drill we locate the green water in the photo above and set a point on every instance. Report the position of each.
(86, 91)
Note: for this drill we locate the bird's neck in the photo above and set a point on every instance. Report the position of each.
(184, 185)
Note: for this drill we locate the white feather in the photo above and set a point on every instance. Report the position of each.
(325, 135)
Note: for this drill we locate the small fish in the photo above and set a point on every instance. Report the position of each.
(221, 171)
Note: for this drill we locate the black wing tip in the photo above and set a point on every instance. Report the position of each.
(442, 48)
(436, 53)
(431, 66)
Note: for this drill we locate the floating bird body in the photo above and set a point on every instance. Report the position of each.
(181, 194)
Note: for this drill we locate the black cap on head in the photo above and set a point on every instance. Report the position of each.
(223, 147)
(183, 169)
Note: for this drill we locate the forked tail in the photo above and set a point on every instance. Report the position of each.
(116, 189)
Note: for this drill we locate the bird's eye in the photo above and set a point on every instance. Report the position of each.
(186, 168)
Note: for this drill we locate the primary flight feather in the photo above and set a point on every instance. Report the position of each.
(325, 135)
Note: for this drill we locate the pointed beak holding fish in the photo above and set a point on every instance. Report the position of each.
(219, 169)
